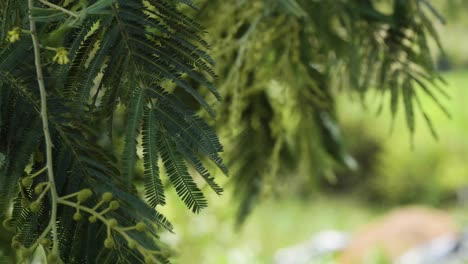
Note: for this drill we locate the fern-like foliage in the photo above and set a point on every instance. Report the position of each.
(124, 77)
(281, 102)
(111, 86)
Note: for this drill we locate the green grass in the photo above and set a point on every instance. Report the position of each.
(211, 237)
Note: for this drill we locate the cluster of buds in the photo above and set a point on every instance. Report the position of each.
(27, 252)
(105, 198)
(111, 223)
(83, 196)
(98, 212)
(61, 54)
(40, 189)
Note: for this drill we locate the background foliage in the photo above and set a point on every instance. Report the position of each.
(286, 62)
(130, 111)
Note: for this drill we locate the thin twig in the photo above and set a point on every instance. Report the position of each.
(120, 230)
(39, 172)
(45, 127)
(66, 11)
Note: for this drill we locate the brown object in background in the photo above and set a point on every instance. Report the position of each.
(398, 232)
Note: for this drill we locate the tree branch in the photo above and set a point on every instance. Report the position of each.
(45, 126)
(66, 11)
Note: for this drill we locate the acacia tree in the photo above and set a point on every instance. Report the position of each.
(85, 84)
(282, 64)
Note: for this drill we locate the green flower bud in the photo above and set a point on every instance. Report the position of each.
(140, 226)
(14, 34)
(106, 197)
(77, 217)
(109, 243)
(61, 57)
(92, 219)
(114, 205)
(39, 188)
(26, 181)
(113, 223)
(132, 244)
(84, 195)
(35, 206)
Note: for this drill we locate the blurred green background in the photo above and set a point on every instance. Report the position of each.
(395, 169)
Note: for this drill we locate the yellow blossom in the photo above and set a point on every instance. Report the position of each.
(14, 35)
(61, 57)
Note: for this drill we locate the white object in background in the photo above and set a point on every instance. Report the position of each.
(436, 251)
(323, 243)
